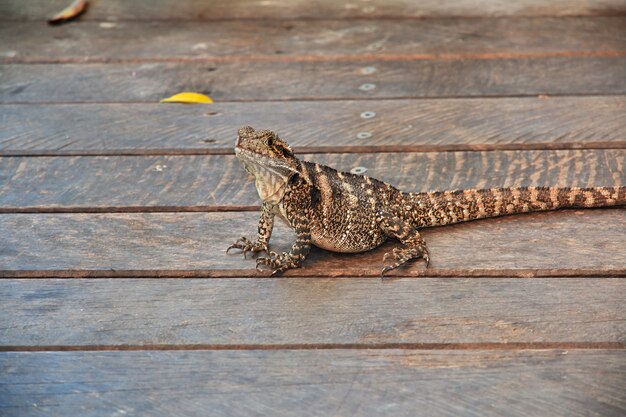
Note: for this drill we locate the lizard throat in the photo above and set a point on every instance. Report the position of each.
(271, 178)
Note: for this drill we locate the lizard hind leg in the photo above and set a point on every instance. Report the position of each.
(414, 246)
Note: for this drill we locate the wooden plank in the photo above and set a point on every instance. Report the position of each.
(315, 313)
(149, 82)
(330, 126)
(214, 182)
(313, 383)
(567, 243)
(116, 10)
(326, 40)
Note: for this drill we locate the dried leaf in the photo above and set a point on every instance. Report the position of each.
(188, 98)
(71, 12)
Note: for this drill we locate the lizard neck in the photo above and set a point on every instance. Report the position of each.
(271, 188)
(270, 183)
(270, 179)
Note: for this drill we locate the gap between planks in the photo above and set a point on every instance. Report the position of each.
(281, 10)
(487, 96)
(311, 274)
(127, 209)
(311, 150)
(321, 58)
(327, 346)
(315, 19)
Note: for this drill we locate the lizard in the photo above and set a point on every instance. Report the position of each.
(345, 212)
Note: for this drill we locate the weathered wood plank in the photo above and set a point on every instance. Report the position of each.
(480, 383)
(149, 82)
(331, 126)
(212, 182)
(295, 9)
(326, 40)
(570, 243)
(283, 313)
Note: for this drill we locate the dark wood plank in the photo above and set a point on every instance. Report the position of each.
(214, 182)
(570, 243)
(326, 40)
(290, 9)
(149, 82)
(330, 126)
(481, 383)
(295, 313)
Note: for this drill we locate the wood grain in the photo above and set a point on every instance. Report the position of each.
(566, 243)
(282, 313)
(326, 40)
(315, 383)
(150, 82)
(215, 182)
(116, 10)
(319, 126)
(241, 345)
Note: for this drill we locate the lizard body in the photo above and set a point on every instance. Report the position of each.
(344, 212)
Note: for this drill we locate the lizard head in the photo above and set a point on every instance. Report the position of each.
(268, 158)
(264, 148)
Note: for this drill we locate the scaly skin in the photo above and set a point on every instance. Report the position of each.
(344, 212)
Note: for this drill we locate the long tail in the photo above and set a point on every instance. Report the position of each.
(449, 207)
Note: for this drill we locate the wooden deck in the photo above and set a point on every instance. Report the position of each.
(117, 297)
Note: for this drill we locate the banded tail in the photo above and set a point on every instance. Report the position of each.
(449, 207)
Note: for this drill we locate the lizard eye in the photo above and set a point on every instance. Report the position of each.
(270, 142)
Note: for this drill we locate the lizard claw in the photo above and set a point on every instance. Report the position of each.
(270, 261)
(258, 264)
(278, 263)
(246, 246)
(385, 269)
(280, 270)
(262, 261)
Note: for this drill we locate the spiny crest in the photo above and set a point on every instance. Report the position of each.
(263, 142)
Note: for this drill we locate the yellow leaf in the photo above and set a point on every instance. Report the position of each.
(188, 98)
(72, 11)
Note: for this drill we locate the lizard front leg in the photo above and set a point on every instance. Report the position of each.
(414, 245)
(266, 224)
(297, 206)
(298, 252)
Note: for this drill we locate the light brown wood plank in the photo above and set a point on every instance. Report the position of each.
(150, 82)
(294, 9)
(282, 313)
(566, 243)
(326, 40)
(330, 126)
(214, 182)
(480, 383)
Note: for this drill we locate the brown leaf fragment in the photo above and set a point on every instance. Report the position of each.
(71, 12)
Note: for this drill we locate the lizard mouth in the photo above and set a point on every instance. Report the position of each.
(243, 153)
(261, 165)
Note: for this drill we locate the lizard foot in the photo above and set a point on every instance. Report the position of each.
(246, 245)
(402, 255)
(278, 263)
